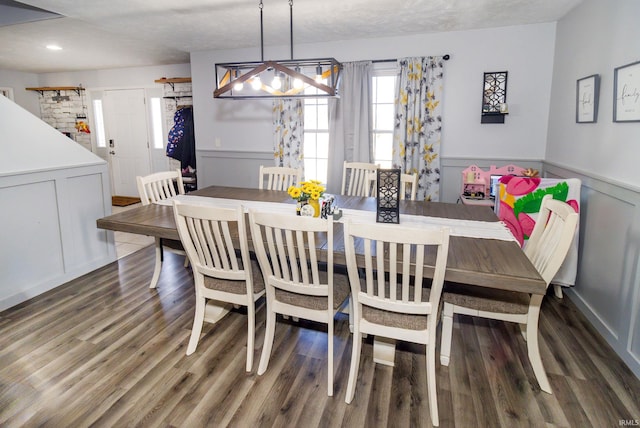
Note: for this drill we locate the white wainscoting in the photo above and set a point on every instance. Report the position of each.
(231, 168)
(607, 287)
(49, 233)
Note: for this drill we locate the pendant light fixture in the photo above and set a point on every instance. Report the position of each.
(278, 79)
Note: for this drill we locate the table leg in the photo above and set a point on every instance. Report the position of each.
(214, 311)
(384, 350)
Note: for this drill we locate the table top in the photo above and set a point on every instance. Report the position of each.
(484, 262)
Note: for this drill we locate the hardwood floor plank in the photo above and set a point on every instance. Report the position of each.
(105, 350)
(380, 397)
(479, 382)
(400, 390)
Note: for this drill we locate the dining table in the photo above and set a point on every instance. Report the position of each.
(483, 262)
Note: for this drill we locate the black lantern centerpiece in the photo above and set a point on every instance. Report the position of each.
(388, 184)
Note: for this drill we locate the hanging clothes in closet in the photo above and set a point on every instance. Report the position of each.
(182, 143)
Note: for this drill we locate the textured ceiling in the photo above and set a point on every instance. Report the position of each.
(100, 34)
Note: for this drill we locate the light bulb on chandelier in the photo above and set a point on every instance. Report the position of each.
(256, 84)
(276, 83)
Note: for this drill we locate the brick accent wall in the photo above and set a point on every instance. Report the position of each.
(63, 115)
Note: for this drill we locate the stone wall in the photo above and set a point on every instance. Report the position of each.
(64, 115)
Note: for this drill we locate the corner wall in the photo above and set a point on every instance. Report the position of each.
(594, 38)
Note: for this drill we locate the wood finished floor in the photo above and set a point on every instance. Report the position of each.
(104, 350)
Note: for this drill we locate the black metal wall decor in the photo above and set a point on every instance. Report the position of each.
(388, 210)
(494, 97)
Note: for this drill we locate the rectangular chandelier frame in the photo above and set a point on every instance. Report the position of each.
(293, 75)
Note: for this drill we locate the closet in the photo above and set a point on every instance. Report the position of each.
(181, 149)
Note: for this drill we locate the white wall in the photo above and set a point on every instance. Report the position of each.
(19, 81)
(526, 52)
(28, 144)
(117, 78)
(595, 38)
(52, 192)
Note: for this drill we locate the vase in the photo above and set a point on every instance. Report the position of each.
(316, 207)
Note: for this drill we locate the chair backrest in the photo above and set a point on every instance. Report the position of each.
(356, 178)
(278, 177)
(208, 234)
(395, 281)
(551, 237)
(160, 185)
(372, 183)
(412, 181)
(287, 250)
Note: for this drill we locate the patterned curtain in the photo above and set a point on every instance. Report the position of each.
(418, 124)
(288, 131)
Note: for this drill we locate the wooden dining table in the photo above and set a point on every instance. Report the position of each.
(482, 262)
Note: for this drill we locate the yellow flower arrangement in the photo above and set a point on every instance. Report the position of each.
(306, 190)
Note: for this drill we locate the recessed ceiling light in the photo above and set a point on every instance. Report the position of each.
(54, 47)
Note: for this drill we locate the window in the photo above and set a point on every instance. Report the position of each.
(316, 137)
(156, 123)
(316, 126)
(382, 103)
(101, 140)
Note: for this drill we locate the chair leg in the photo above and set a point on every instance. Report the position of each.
(186, 261)
(251, 315)
(350, 314)
(557, 290)
(431, 384)
(523, 331)
(268, 341)
(158, 266)
(536, 361)
(198, 320)
(533, 348)
(330, 358)
(355, 365)
(447, 333)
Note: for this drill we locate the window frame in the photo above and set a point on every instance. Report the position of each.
(383, 69)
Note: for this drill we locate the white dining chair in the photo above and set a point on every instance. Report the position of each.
(278, 177)
(222, 270)
(356, 178)
(297, 284)
(410, 180)
(153, 188)
(547, 247)
(395, 296)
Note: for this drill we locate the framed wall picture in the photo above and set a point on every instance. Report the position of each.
(7, 92)
(626, 93)
(587, 93)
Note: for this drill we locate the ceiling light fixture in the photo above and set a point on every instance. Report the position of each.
(54, 47)
(289, 78)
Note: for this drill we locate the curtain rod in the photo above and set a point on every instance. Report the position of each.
(445, 57)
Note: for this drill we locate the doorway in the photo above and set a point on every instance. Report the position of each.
(125, 124)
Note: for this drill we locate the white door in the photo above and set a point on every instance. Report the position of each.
(125, 121)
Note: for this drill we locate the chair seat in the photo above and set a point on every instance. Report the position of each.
(486, 299)
(237, 287)
(341, 290)
(396, 319)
